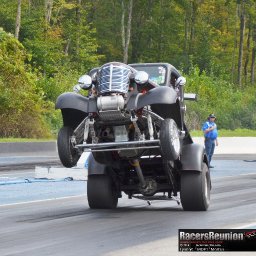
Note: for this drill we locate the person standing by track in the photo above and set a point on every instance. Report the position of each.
(211, 137)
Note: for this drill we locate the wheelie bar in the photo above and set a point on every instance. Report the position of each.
(125, 145)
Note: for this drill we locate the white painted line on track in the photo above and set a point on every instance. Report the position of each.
(43, 200)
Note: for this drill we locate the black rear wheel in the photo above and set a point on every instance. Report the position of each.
(101, 192)
(195, 190)
(67, 153)
(169, 140)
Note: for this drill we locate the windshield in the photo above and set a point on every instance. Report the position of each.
(156, 73)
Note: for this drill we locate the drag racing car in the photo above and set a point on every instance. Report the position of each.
(132, 123)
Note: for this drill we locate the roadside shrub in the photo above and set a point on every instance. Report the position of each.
(234, 108)
(52, 87)
(21, 105)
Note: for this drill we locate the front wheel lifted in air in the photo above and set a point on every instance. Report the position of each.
(67, 153)
(169, 140)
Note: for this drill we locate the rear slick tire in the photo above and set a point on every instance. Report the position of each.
(195, 190)
(67, 153)
(101, 192)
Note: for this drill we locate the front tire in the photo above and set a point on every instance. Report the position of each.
(169, 140)
(195, 190)
(67, 153)
(101, 192)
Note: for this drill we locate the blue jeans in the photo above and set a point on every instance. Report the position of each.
(209, 148)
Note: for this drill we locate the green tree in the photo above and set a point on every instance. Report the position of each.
(20, 104)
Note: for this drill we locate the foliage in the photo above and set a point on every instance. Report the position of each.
(234, 108)
(60, 42)
(58, 52)
(20, 106)
(52, 87)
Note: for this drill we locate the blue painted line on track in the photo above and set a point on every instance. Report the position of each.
(21, 181)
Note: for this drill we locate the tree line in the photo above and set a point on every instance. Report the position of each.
(45, 45)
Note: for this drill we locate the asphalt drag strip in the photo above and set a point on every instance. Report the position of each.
(53, 218)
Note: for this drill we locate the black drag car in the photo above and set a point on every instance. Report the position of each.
(132, 122)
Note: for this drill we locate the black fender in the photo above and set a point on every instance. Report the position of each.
(94, 167)
(159, 95)
(71, 100)
(192, 157)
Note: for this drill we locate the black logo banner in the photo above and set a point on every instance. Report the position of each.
(213, 240)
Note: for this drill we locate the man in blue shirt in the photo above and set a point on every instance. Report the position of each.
(210, 134)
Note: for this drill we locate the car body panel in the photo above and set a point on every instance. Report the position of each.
(95, 167)
(159, 95)
(76, 101)
(192, 157)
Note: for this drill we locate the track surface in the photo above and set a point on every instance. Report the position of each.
(66, 226)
